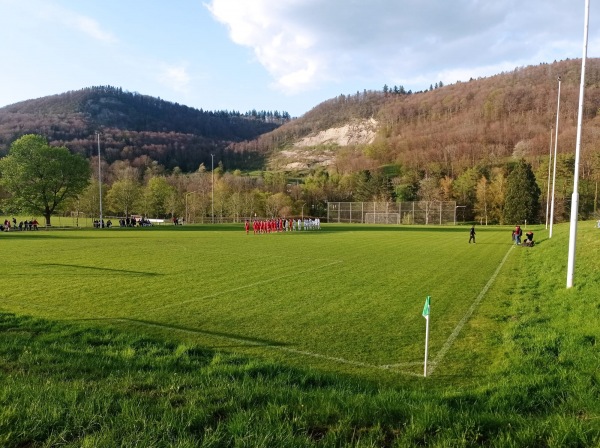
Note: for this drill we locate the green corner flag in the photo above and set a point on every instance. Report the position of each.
(426, 308)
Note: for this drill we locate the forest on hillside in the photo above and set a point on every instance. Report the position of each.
(443, 142)
(134, 125)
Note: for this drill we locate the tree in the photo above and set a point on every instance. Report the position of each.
(465, 188)
(278, 205)
(522, 200)
(482, 206)
(156, 197)
(124, 195)
(41, 177)
(89, 199)
(429, 192)
(497, 190)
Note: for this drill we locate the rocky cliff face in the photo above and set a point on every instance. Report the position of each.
(319, 149)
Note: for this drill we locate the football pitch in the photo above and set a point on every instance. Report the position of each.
(345, 298)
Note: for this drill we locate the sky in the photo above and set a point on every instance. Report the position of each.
(284, 55)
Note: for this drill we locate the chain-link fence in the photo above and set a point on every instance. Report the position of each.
(418, 212)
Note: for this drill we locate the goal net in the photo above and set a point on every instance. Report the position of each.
(382, 218)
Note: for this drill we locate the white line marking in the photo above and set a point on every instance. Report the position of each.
(250, 343)
(440, 355)
(220, 293)
(403, 364)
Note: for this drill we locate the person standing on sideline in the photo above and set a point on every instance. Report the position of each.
(472, 234)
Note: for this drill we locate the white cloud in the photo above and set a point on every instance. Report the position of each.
(175, 77)
(285, 47)
(304, 44)
(56, 14)
(88, 26)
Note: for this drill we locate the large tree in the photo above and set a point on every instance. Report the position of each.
(124, 195)
(156, 197)
(522, 199)
(40, 177)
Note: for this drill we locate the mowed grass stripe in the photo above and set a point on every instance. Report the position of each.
(349, 292)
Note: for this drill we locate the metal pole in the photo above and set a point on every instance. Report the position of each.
(549, 169)
(187, 219)
(555, 151)
(212, 200)
(100, 179)
(575, 197)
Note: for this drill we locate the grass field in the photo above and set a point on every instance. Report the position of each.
(345, 301)
(347, 297)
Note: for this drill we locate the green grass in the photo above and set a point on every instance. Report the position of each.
(353, 293)
(206, 336)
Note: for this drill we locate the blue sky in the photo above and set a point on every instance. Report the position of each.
(276, 54)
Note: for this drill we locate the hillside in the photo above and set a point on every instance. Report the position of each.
(449, 129)
(135, 125)
(442, 131)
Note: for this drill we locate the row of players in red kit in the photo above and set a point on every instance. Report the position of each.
(282, 225)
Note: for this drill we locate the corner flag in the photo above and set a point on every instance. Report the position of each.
(426, 316)
(426, 308)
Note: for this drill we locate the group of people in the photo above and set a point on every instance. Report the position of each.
(123, 222)
(133, 222)
(101, 224)
(282, 225)
(23, 225)
(517, 235)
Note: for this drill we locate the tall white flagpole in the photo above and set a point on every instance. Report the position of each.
(575, 197)
(100, 180)
(555, 151)
(549, 169)
(426, 316)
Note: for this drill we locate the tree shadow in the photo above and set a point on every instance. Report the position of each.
(230, 336)
(96, 268)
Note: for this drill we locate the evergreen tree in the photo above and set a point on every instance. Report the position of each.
(522, 200)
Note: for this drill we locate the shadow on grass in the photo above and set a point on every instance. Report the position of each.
(30, 235)
(95, 268)
(229, 336)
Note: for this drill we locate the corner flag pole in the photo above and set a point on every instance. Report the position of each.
(575, 197)
(426, 316)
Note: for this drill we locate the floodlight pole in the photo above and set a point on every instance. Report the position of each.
(212, 200)
(555, 151)
(549, 169)
(575, 197)
(100, 180)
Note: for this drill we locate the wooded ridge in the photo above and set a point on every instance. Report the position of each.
(134, 126)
